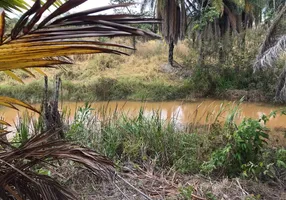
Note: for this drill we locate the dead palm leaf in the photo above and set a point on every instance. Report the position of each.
(273, 46)
(34, 43)
(17, 169)
(271, 55)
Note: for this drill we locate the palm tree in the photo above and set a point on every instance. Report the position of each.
(47, 42)
(173, 14)
(227, 16)
(273, 47)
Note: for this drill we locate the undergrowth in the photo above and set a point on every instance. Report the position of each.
(218, 149)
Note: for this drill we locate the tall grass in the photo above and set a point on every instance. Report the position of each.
(148, 138)
(139, 139)
(222, 148)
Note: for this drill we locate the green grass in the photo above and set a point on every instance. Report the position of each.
(220, 149)
(101, 89)
(140, 140)
(32, 92)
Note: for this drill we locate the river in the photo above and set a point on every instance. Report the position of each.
(203, 111)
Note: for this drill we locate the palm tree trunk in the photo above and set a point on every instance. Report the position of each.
(201, 50)
(171, 53)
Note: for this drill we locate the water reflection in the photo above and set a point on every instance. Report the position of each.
(182, 112)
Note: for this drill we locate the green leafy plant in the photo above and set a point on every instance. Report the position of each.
(186, 192)
(243, 146)
(281, 158)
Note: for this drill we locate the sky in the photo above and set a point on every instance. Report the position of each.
(92, 4)
(87, 5)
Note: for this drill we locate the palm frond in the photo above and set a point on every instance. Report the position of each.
(18, 176)
(273, 46)
(269, 58)
(270, 38)
(30, 45)
(9, 5)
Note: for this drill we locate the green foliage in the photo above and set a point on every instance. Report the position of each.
(26, 126)
(141, 139)
(210, 196)
(244, 151)
(186, 192)
(108, 88)
(223, 149)
(81, 128)
(243, 146)
(32, 92)
(281, 158)
(208, 15)
(202, 81)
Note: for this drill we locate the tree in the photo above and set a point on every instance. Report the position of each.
(217, 21)
(173, 15)
(173, 27)
(273, 47)
(46, 42)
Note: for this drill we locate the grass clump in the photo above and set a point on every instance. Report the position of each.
(140, 139)
(218, 150)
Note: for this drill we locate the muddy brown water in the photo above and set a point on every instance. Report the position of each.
(203, 111)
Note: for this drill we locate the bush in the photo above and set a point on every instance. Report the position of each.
(243, 151)
(111, 89)
(244, 146)
(32, 92)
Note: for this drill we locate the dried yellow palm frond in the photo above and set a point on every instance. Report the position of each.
(34, 43)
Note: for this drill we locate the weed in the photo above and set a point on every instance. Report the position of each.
(186, 192)
(210, 196)
(243, 146)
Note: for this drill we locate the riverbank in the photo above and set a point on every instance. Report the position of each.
(157, 159)
(144, 76)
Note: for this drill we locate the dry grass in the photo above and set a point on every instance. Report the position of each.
(165, 185)
(144, 65)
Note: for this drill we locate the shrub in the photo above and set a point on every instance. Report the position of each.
(243, 146)
(110, 89)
